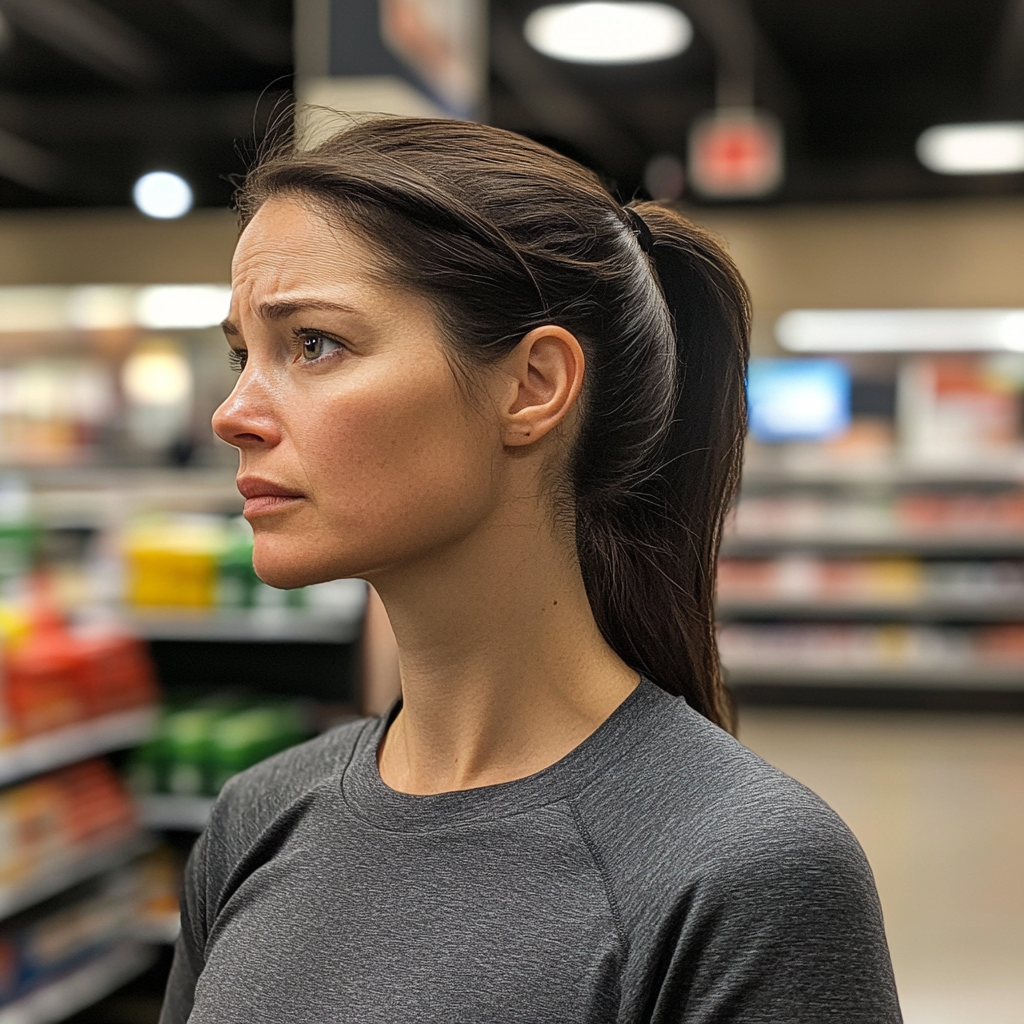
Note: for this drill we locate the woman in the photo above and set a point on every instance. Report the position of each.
(471, 378)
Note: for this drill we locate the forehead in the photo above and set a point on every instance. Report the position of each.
(287, 246)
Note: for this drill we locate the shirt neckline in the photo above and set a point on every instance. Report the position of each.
(368, 796)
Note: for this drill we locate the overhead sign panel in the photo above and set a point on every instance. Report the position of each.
(417, 57)
(442, 42)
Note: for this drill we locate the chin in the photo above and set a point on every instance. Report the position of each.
(287, 570)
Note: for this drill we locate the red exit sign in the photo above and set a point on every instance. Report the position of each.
(736, 154)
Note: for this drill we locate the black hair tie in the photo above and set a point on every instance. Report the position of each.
(641, 230)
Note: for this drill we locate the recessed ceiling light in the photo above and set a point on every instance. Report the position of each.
(986, 148)
(609, 32)
(163, 195)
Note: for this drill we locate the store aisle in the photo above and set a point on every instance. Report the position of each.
(937, 802)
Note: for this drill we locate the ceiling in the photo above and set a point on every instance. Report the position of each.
(95, 92)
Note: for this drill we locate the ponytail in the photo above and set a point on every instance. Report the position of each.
(503, 236)
(650, 561)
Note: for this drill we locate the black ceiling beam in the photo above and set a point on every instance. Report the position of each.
(29, 165)
(257, 40)
(90, 35)
(53, 120)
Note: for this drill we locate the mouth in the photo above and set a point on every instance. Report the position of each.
(264, 497)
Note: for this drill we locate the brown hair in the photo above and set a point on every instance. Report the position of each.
(504, 235)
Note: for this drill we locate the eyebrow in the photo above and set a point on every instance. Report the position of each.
(282, 310)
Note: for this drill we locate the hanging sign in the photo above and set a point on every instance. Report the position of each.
(443, 42)
(736, 154)
(415, 57)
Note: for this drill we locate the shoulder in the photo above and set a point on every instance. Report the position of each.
(745, 883)
(277, 789)
(690, 809)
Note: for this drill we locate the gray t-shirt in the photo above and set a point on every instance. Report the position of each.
(660, 872)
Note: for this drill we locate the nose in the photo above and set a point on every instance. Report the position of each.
(246, 418)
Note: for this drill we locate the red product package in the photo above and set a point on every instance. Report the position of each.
(116, 673)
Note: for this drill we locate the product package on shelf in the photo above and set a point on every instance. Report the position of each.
(197, 748)
(205, 562)
(53, 677)
(838, 646)
(922, 514)
(884, 581)
(55, 820)
(45, 943)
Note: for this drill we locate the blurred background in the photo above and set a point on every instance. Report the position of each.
(864, 163)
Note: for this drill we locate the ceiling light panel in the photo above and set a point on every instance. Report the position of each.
(901, 330)
(609, 33)
(990, 148)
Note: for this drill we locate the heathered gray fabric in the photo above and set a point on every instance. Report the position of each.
(659, 872)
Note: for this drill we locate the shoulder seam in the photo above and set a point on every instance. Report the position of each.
(602, 871)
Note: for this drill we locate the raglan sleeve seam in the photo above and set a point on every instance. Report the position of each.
(603, 873)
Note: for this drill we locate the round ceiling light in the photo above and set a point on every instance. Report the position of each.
(607, 32)
(996, 147)
(163, 195)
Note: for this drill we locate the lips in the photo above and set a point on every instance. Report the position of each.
(263, 497)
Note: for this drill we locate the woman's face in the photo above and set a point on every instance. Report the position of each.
(358, 452)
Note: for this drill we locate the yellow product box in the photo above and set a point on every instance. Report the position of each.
(172, 561)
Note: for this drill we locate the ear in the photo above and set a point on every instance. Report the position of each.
(546, 370)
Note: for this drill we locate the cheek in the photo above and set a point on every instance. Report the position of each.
(393, 472)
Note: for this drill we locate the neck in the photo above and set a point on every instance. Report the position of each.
(503, 667)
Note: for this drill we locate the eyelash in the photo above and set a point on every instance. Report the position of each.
(237, 357)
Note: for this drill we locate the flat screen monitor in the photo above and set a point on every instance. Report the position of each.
(798, 399)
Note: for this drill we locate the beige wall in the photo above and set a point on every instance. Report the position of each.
(963, 253)
(115, 247)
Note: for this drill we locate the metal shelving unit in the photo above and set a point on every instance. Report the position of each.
(75, 743)
(848, 535)
(936, 610)
(752, 545)
(77, 866)
(81, 987)
(929, 676)
(256, 625)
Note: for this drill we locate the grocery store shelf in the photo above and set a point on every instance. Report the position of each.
(873, 611)
(86, 497)
(930, 676)
(75, 743)
(944, 545)
(81, 987)
(266, 625)
(78, 866)
(184, 813)
(825, 469)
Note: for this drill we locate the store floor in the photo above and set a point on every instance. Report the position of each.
(937, 801)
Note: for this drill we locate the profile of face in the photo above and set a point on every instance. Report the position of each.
(357, 447)
(360, 449)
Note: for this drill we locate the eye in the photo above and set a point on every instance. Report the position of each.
(237, 358)
(314, 345)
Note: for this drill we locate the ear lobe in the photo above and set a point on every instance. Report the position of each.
(547, 373)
